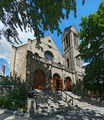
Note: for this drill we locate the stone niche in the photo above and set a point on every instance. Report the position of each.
(35, 64)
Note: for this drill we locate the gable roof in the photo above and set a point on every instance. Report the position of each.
(53, 43)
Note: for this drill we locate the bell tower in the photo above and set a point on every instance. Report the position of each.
(70, 44)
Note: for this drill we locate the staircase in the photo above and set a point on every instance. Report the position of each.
(49, 101)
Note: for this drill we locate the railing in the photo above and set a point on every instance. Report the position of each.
(67, 95)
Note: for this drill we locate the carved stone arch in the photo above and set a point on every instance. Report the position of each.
(68, 78)
(57, 82)
(43, 69)
(56, 75)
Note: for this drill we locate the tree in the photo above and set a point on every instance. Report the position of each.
(39, 15)
(92, 49)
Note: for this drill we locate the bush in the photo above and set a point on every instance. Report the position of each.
(5, 101)
(19, 94)
(15, 100)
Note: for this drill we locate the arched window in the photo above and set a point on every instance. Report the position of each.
(67, 62)
(78, 61)
(36, 56)
(75, 40)
(48, 55)
(79, 80)
(49, 40)
(59, 63)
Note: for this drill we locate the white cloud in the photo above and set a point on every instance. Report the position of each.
(5, 47)
(5, 50)
(23, 36)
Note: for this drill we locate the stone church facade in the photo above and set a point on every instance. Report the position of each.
(42, 65)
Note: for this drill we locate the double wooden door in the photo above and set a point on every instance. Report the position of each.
(39, 79)
(57, 83)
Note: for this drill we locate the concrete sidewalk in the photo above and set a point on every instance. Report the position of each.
(10, 116)
(76, 114)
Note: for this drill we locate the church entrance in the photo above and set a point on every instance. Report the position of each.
(57, 82)
(68, 84)
(39, 79)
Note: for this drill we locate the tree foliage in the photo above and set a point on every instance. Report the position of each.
(39, 15)
(92, 48)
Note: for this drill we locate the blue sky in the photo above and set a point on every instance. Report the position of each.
(4, 62)
(89, 7)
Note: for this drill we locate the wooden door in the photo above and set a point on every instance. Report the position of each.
(68, 85)
(39, 79)
(57, 83)
(61, 84)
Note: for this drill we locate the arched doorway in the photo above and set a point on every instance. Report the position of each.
(57, 82)
(39, 79)
(68, 84)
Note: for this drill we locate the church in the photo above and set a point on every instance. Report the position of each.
(42, 66)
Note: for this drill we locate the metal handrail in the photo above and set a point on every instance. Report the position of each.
(65, 93)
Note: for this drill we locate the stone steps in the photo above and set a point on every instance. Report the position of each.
(49, 101)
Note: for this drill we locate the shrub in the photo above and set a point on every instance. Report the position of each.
(19, 94)
(15, 100)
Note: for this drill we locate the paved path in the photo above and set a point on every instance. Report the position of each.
(91, 105)
(77, 114)
(5, 116)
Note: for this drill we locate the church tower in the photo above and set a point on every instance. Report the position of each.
(70, 43)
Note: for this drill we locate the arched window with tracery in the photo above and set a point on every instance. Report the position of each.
(48, 55)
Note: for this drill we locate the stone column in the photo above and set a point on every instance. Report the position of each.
(65, 42)
(31, 106)
(63, 45)
(69, 39)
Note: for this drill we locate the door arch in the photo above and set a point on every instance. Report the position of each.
(57, 82)
(39, 79)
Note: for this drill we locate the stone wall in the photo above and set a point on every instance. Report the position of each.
(34, 64)
(6, 88)
(47, 44)
(18, 62)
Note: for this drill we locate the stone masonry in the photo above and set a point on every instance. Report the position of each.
(26, 59)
